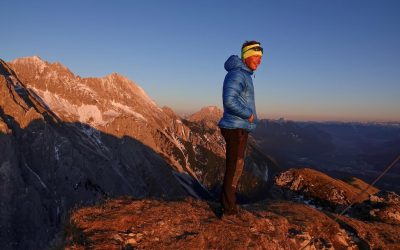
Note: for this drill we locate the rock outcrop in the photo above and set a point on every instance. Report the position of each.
(320, 189)
(383, 207)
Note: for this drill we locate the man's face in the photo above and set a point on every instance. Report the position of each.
(252, 62)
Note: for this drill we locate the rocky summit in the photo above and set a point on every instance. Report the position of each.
(281, 222)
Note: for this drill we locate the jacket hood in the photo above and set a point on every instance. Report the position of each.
(234, 62)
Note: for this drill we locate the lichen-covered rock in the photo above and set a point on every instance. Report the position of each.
(383, 206)
(385, 197)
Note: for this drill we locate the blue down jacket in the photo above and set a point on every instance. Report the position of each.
(238, 96)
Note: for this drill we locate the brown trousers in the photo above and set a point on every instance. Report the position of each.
(236, 141)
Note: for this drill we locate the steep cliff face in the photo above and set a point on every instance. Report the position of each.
(48, 166)
(112, 104)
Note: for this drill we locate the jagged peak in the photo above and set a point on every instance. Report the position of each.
(210, 113)
(116, 76)
(31, 60)
(60, 65)
(210, 109)
(40, 64)
(37, 60)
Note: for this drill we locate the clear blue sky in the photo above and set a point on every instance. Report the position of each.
(323, 59)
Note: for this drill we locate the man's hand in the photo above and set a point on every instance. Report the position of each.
(251, 118)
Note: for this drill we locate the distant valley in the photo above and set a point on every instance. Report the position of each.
(341, 149)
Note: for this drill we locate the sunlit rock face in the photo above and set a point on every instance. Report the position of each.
(50, 163)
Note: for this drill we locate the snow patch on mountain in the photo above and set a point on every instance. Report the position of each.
(56, 153)
(88, 113)
(84, 113)
(37, 176)
(55, 102)
(86, 89)
(128, 109)
(111, 113)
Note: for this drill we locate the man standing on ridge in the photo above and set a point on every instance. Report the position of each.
(239, 117)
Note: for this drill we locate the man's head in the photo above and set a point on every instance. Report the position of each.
(251, 54)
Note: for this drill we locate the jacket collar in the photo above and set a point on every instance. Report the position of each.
(235, 62)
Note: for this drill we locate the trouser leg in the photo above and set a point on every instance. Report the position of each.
(236, 141)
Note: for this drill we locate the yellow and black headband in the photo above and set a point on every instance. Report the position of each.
(252, 50)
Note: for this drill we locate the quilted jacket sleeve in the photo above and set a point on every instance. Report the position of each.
(234, 85)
